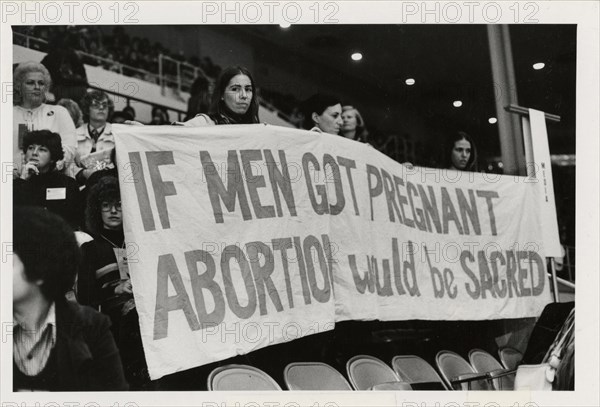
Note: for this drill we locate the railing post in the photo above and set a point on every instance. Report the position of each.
(179, 77)
(160, 74)
(568, 263)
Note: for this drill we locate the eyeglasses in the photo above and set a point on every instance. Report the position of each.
(99, 105)
(107, 206)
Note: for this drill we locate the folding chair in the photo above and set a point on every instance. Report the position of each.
(510, 357)
(418, 373)
(483, 362)
(240, 377)
(459, 374)
(365, 372)
(314, 376)
(392, 386)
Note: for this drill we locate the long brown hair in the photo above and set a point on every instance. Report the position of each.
(458, 136)
(220, 114)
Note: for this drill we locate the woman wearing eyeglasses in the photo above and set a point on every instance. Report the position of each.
(104, 280)
(95, 135)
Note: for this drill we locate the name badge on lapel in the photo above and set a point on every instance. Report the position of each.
(56, 194)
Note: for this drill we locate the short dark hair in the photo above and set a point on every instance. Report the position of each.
(47, 139)
(46, 245)
(121, 114)
(105, 190)
(317, 103)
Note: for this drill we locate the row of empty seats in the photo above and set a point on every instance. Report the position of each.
(407, 372)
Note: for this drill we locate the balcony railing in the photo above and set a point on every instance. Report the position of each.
(171, 73)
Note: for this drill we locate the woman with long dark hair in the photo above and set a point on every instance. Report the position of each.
(461, 153)
(234, 100)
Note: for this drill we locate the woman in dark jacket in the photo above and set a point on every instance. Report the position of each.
(40, 184)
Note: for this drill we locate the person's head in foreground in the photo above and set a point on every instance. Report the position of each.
(323, 113)
(58, 344)
(46, 257)
(235, 100)
(463, 153)
(353, 126)
(42, 149)
(31, 83)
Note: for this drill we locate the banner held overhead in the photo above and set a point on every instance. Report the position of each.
(252, 235)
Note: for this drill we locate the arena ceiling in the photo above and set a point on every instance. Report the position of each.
(448, 63)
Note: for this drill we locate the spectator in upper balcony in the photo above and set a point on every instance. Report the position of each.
(66, 68)
(31, 83)
(323, 113)
(234, 100)
(95, 135)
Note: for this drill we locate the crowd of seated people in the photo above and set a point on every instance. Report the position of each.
(117, 48)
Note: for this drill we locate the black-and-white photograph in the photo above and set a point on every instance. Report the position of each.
(301, 197)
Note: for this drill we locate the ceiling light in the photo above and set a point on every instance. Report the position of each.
(285, 25)
(410, 81)
(457, 103)
(492, 120)
(538, 66)
(357, 56)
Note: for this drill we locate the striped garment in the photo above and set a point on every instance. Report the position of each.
(31, 349)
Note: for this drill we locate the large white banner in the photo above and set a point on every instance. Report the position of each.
(250, 235)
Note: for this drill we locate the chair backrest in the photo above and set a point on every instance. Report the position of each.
(415, 370)
(366, 371)
(510, 357)
(451, 365)
(392, 386)
(314, 376)
(483, 362)
(240, 377)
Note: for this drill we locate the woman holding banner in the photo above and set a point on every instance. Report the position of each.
(323, 113)
(234, 101)
(461, 153)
